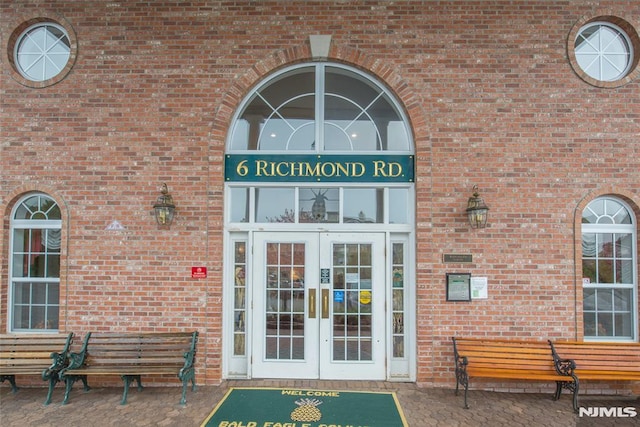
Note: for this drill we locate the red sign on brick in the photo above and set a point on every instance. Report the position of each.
(199, 272)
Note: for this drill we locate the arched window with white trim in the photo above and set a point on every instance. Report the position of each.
(34, 268)
(609, 271)
(320, 108)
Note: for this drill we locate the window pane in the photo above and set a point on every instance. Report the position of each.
(604, 299)
(624, 245)
(605, 245)
(590, 324)
(39, 295)
(319, 205)
(20, 317)
(589, 299)
(588, 245)
(623, 300)
(624, 272)
(398, 205)
(623, 325)
(22, 293)
(290, 134)
(281, 116)
(53, 294)
(239, 205)
(363, 205)
(605, 271)
(275, 205)
(605, 325)
(589, 270)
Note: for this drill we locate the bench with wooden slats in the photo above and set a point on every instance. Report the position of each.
(42, 355)
(132, 355)
(509, 360)
(600, 361)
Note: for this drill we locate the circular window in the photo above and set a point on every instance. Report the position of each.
(604, 51)
(42, 52)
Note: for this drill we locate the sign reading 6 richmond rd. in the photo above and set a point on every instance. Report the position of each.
(319, 168)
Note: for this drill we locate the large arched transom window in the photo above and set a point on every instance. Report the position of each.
(35, 264)
(320, 108)
(609, 263)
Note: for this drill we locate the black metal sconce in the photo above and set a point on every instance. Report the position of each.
(477, 210)
(164, 209)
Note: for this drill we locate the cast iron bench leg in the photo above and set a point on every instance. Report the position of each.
(53, 380)
(69, 384)
(12, 381)
(127, 381)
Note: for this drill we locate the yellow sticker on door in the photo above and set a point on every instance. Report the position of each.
(365, 297)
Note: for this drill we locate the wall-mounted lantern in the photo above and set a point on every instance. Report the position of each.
(164, 209)
(477, 210)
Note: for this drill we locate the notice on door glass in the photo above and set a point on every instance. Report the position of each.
(352, 277)
(325, 275)
(365, 297)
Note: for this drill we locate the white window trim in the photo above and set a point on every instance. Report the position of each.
(619, 228)
(33, 225)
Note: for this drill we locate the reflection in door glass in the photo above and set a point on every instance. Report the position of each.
(284, 311)
(352, 298)
(275, 205)
(398, 299)
(363, 205)
(319, 205)
(239, 307)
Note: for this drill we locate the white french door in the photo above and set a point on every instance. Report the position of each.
(319, 306)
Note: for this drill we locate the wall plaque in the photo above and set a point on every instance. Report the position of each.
(457, 258)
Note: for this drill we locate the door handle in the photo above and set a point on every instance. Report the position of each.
(312, 303)
(325, 303)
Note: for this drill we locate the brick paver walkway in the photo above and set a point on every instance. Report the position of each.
(159, 406)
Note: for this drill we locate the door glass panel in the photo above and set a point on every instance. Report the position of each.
(352, 297)
(284, 311)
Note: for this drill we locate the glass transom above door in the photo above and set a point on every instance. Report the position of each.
(318, 302)
(321, 205)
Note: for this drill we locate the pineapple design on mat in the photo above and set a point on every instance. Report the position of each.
(307, 410)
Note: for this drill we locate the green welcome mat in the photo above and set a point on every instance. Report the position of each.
(270, 407)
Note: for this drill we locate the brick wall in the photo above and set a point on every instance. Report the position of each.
(491, 95)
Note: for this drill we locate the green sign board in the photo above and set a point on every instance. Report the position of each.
(318, 168)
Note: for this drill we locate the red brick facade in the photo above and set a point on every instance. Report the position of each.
(488, 87)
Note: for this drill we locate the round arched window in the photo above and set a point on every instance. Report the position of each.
(609, 275)
(320, 108)
(36, 231)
